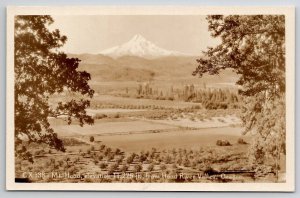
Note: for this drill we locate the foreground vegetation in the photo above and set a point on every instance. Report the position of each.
(96, 162)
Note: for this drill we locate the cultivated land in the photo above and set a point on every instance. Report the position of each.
(140, 138)
(145, 145)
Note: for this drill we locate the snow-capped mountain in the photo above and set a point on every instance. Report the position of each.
(139, 46)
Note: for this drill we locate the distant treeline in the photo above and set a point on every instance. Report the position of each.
(210, 98)
(217, 99)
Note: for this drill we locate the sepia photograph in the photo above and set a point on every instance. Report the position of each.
(150, 98)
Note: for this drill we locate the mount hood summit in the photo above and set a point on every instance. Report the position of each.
(141, 47)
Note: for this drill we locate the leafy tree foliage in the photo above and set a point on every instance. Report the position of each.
(254, 47)
(41, 70)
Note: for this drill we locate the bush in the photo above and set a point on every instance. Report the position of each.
(92, 139)
(108, 150)
(102, 165)
(117, 115)
(150, 167)
(223, 143)
(100, 116)
(110, 156)
(119, 160)
(129, 159)
(241, 141)
(179, 161)
(113, 168)
(168, 159)
(117, 151)
(186, 162)
(102, 147)
(163, 167)
(100, 157)
(143, 158)
(138, 168)
(124, 168)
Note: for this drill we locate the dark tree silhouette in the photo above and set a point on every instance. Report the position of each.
(41, 70)
(92, 139)
(254, 47)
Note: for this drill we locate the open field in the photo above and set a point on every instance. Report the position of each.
(147, 145)
(146, 140)
(102, 128)
(186, 156)
(188, 139)
(114, 100)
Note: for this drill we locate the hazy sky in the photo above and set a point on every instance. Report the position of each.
(92, 34)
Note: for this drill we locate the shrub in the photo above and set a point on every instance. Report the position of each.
(102, 165)
(119, 160)
(194, 164)
(102, 147)
(129, 159)
(117, 115)
(150, 167)
(179, 161)
(117, 151)
(163, 167)
(113, 168)
(108, 150)
(241, 141)
(100, 116)
(60, 162)
(208, 169)
(92, 139)
(52, 161)
(186, 162)
(110, 157)
(174, 151)
(72, 170)
(138, 168)
(143, 158)
(100, 157)
(168, 159)
(223, 143)
(124, 168)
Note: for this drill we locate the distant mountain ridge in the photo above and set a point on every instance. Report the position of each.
(139, 60)
(168, 70)
(140, 47)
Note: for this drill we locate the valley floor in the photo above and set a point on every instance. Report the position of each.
(168, 144)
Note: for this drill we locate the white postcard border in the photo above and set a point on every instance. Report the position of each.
(289, 12)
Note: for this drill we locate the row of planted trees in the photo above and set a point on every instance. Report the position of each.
(211, 98)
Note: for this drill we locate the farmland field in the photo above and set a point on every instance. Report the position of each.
(106, 99)
(146, 136)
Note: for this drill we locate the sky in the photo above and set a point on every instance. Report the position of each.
(94, 33)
